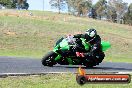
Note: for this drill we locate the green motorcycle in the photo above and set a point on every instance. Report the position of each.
(64, 53)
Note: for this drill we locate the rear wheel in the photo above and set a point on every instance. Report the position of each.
(93, 61)
(101, 57)
(48, 60)
(89, 64)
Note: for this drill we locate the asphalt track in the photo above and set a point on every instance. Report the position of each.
(30, 65)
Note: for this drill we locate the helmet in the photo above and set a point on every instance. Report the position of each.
(91, 32)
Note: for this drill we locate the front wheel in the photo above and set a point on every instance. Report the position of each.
(48, 60)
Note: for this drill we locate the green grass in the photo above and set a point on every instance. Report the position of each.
(34, 36)
(52, 81)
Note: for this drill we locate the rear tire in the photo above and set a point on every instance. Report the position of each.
(89, 62)
(93, 61)
(48, 60)
(89, 65)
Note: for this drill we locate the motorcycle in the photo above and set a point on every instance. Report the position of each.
(64, 53)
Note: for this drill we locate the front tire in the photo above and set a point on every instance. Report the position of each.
(48, 60)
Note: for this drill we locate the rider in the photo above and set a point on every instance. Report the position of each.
(94, 40)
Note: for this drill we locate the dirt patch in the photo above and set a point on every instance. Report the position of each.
(10, 33)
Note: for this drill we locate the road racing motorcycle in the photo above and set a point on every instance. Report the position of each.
(64, 53)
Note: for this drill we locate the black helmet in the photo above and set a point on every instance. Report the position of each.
(91, 32)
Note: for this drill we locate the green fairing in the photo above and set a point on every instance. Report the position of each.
(70, 61)
(57, 58)
(105, 45)
(64, 45)
(86, 45)
(56, 48)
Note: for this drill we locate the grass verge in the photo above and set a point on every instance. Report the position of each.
(52, 81)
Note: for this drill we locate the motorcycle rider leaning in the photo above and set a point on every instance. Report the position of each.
(94, 40)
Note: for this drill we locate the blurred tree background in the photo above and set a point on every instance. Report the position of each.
(128, 15)
(19, 4)
(7, 3)
(110, 10)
